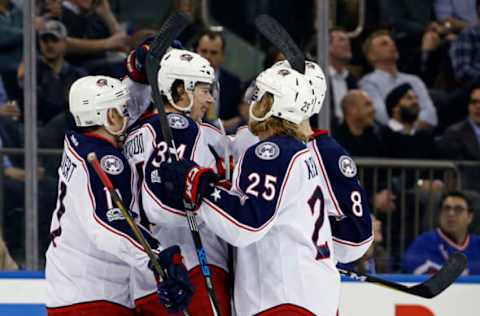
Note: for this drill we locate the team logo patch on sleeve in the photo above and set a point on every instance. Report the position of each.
(177, 121)
(267, 151)
(111, 164)
(347, 166)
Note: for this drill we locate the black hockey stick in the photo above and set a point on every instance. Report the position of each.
(279, 37)
(93, 160)
(435, 285)
(169, 31)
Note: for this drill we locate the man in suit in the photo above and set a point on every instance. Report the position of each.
(211, 45)
(341, 80)
(461, 141)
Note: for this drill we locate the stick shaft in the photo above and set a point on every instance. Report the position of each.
(92, 158)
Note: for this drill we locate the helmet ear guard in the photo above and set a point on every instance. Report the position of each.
(91, 97)
(189, 67)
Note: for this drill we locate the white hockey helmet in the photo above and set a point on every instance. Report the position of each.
(191, 68)
(315, 73)
(293, 94)
(92, 96)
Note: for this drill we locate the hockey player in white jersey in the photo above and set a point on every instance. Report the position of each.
(274, 212)
(185, 80)
(345, 199)
(92, 247)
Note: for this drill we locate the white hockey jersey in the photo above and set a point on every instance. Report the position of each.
(345, 200)
(145, 149)
(92, 248)
(242, 140)
(275, 215)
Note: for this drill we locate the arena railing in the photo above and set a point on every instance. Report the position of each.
(417, 184)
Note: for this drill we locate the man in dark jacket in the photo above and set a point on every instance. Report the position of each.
(461, 141)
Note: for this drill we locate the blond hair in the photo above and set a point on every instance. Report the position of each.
(274, 125)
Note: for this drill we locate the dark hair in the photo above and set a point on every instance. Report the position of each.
(457, 194)
(211, 34)
(175, 96)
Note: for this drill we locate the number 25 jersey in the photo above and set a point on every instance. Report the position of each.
(275, 215)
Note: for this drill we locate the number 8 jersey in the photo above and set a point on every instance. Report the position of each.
(275, 214)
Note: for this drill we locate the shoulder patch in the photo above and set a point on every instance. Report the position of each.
(347, 166)
(111, 164)
(177, 121)
(267, 151)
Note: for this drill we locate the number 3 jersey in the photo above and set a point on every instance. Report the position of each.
(275, 214)
(92, 248)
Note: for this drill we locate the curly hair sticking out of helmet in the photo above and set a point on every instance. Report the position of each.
(273, 126)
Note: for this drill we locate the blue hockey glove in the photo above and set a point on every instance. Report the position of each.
(175, 291)
(186, 179)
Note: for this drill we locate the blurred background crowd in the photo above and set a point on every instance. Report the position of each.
(403, 79)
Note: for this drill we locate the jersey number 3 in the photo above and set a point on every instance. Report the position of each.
(323, 251)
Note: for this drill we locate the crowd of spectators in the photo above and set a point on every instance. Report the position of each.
(406, 88)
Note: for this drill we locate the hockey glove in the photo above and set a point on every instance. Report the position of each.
(135, 62)
(175, 291)
(187, 179)
(220, 163)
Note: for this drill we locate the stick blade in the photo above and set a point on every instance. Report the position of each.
(170, 30)
(449, 272)
(279, 37)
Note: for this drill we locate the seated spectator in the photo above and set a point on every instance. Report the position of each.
(462, 140)
(382, 54)
(357, 133)
(464, 52)
(341, 80)
(93, 31)
(11, 39)
(361, 138)
(6, 261)
(211, 45)
(429, 251)
(456, 15)
(54, 74)
(401, 137)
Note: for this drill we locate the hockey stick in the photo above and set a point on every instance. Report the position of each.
(93, 160)
(169, 31)
(435, 285)
(279, 37)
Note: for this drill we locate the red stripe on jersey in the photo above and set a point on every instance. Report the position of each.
(214, 128)
(94, 205)
(286, 310)
(353, 244)
(152, 131)
(461, 247)
(95, 308)
(327, 181)
(82, 162)
(159, 202)
(248, 228)
(194, 149)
